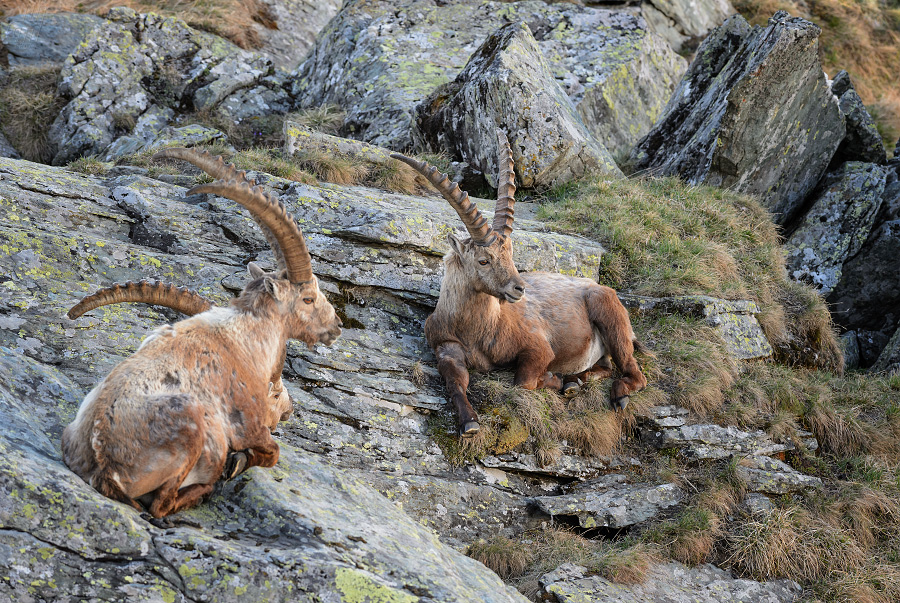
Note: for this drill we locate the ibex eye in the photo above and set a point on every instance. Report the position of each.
(308, 300)
(483, 262)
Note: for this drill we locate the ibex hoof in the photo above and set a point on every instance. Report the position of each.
(469, 429)
(235, 465)
(619, 403)
(163, 523)
(571, 389)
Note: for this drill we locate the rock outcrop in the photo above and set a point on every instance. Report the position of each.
(670, 582)
(836, 225)
(507, 84)
(378, 60)
(292, 33)
(135, 65)
(863, 141)
(719, 128)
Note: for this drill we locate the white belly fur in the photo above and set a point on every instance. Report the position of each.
(594, 353)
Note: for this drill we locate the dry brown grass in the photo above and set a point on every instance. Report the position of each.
(333, 168)
(28, 105)
(232, 19)
(507, 558)
(324, 118)
(861, 36)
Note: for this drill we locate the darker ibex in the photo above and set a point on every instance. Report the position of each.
(159, 428)
(489, 316)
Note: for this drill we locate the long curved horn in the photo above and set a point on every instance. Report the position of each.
(266, 208)
(218, 169)
(477, 225)
(159, 294)
(506, 188)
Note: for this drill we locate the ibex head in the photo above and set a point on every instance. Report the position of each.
(486, 256)
(292, 291)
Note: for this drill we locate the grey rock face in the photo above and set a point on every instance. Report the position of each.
(719, 128)
(301, 532)
(6, 149)
(866, 299)
(837, 224)
(670, 582)
(133, 65)
(507, 84)
(34, 39)
(710, 441)
(889, 359)
(379, 59)
(297, 22)
(609, 504)
(681, 21)
(862, 142)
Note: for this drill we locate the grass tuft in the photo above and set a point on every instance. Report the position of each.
(28, 104)
(92, 166)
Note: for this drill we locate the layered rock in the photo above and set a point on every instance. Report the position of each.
(863, 141)
(135, 65)
(508, 85)
(40, 38)
(378, 60)
(681, 22)
(836, 225)
(671, 582)
(720, 129)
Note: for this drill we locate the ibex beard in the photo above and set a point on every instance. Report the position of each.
(159, 428)
(556, 331)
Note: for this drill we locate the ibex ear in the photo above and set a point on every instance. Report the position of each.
(278, 288)
(254, 270)
(455, 243)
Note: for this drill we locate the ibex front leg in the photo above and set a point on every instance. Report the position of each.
(531, 369)
(452, 366)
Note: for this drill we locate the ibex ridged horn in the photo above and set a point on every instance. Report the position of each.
(477, 225)
(506, 188)
(280, 229)
(159, 294)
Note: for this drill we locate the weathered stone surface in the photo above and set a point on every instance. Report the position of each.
(704, 442)
(889, 359)
(863, 141)
(38, 38)
(302, 531)
(298, 138)
(508, 85)
(167, 136)
(849, 342)
(134, 64)
(609, 504)
(664, 417)
(296, 24)
(771, 476)
(867, 296)
(758, 504)
(670, 583)
(379, 59)
(734, 320)
(680, 22)
(566, 466)
(719, 128)
(836, 225)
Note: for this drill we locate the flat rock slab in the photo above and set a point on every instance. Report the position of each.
(667, 583)
(39, 38)
(734, 320)
(719, 128)
(612, 505)
(705, 442)
(567, 466)
(302, 531)
(380, 59)
(771, 476)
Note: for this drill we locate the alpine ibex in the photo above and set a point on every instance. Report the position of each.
(555, 330)
(159, 427)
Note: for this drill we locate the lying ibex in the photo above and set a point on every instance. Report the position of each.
(190, 303)
(489, 316)
(158, 429)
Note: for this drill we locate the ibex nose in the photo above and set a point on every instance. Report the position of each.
(520, 288)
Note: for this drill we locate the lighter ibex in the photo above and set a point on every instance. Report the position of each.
(555, 330)
(159, 428)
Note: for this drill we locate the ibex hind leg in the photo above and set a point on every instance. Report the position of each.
(572, 383)
(611, 319)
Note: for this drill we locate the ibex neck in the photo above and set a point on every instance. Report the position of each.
(260, 339)
(460, 302)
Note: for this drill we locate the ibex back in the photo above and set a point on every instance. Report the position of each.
(557, 331)
(159, 428)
